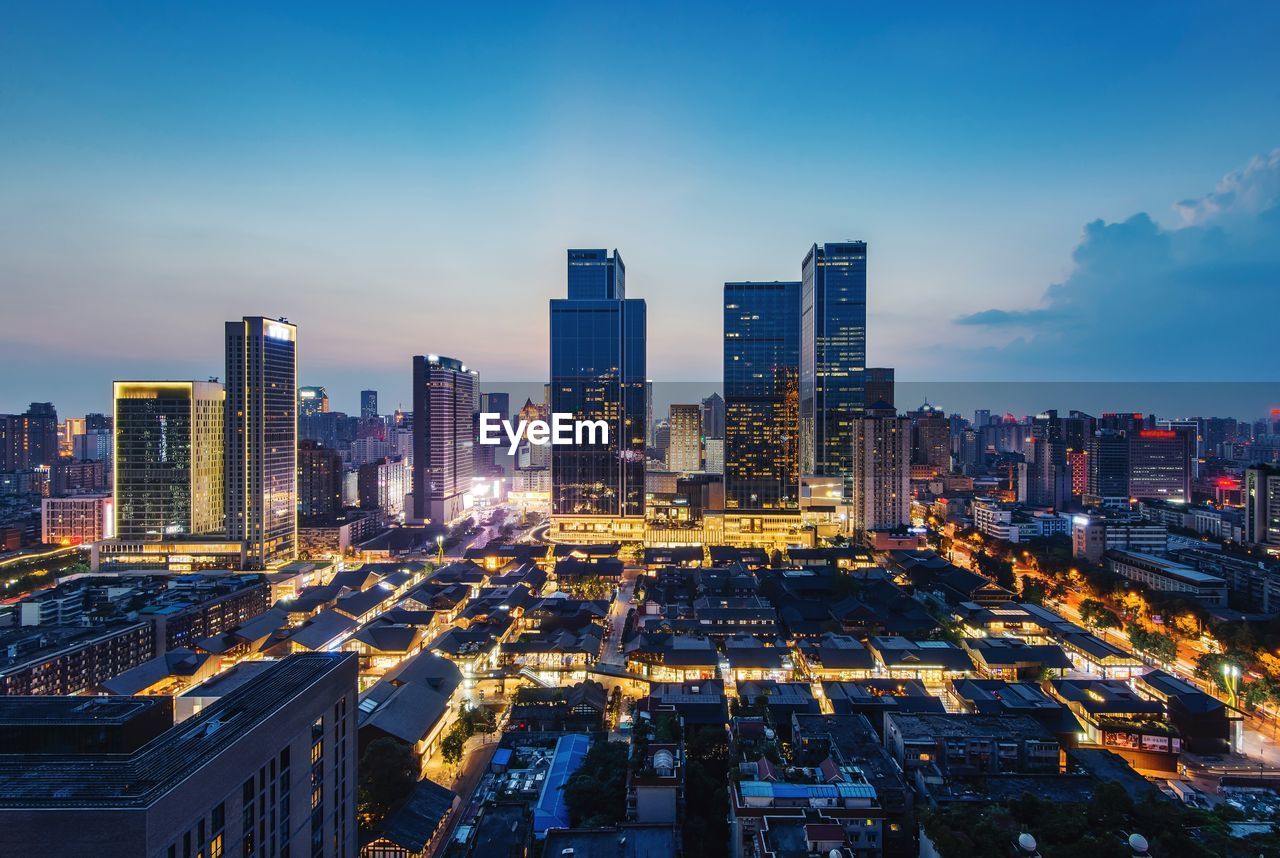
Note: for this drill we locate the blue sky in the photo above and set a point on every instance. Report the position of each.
(402, 179)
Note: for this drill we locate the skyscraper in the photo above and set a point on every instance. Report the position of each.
(1160, 464)
(833, 353)
(443, 399)
(930, 438)
(879, 384)
(29, 440)
(320, 474)
(881, 496)
(713, 417)
(312, 401)
(261, 429)
(368, 403)
(168, 459)
(684, 451)
(1107, 451)
(598, 373)
(761, 394)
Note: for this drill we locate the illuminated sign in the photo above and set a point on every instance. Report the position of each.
(279, 332)
(1157, 433)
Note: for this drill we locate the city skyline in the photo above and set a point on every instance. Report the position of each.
(230, 187)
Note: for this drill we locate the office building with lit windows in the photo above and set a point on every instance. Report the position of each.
(368, 404)
(598, 373)
(684, 450)
(761, 378)
(261, 431)
(1160, 464)
(443, 458)
(881, 496)
(833, 356)
(312, 401)
(269, 769)
(168, 464)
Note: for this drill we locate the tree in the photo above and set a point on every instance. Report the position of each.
(596, 794)
(388, 774)
(452, 744)
(1096, 615)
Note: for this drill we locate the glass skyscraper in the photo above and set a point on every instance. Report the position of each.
(168, 459)
(761, 396)
(262, 438)
(443, 401)
(833, 355)
(598, 373)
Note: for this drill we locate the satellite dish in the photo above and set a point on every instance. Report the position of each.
(1138, 844)
(1026, 843)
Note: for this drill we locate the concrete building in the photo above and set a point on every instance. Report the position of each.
(77, 519)
(443, 460)
(1168, 576)
(881, 492)
(684, 452)
(268, 769)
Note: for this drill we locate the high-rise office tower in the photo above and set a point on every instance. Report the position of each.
(443, 401)
(981, 418)
(684, 452)
(1262, 505)
(168, 454)
(713, 417)
(262, 438)
(1190, 425)
(319, 479)
(312, 401)
(598, 373)
(368, 403)
(879, 384)
(487, 457)
(1160, 464)
(881, 496)
(930, 438)
(1107, 451)
(833, 355)
(761, 395)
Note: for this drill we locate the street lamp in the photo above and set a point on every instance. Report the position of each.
(440, 548)
(1231, 678)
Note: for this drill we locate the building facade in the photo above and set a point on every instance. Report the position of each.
(169, 459)
(261, 431)
(833, 356)
(881, 495)
(598, 373)
(684, 451)
(761, 390)
(443, 400)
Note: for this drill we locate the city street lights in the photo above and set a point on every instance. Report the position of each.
(440, 548)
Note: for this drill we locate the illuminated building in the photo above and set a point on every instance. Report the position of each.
(1160, 464)
(598, 373)
(1107, 451)
(262, 438)
(443, 398)
(1262, 505)
(713, 455)
(833, 351)
(382, 485)
(77, 519)
(880, 498)
(319, 479)
(29, 440)
(684, 450)
(168, 462)
(761, 378)
(713, 417)
(930, 438)
(268, 769)
(93, 445)
(368, 404)
(312, 401)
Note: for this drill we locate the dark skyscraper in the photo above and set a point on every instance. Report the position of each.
(443, 396)
(761, 394)
(833, 355)
(598, 373)
(879, 384)
(29, 440)
(713, 417)
(319, 479)
(368, 403)
(262, 438)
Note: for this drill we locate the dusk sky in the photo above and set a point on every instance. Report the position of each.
(1087, 192)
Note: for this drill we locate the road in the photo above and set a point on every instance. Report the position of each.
(622, 603)
(473, 769)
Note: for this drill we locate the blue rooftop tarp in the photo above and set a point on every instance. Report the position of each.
(550, 811)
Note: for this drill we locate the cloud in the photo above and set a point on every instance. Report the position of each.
(1145, 301)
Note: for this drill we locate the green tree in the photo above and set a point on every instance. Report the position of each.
(388, 773)
(596, 794)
